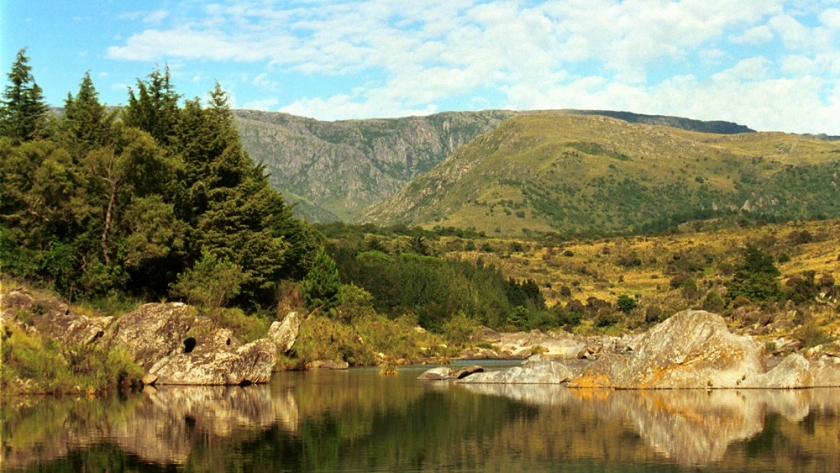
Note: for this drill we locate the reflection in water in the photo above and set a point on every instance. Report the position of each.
(358, 420)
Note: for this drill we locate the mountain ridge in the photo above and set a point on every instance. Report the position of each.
(586, 173)
(335, 170)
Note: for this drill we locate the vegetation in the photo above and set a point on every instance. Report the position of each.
(590, 176)
(157, 199)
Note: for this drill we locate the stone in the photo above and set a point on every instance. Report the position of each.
(284, 334)
(793, 372)
(692, 349)
(53, 318)
(826, 372)
(153, 331)
(536, 371)
(466, 371)
(436, 374)
(217, 359)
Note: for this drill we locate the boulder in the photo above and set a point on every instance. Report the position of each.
(284, 334)
(826, 372)
(535, 370)
(154, 331)
(792, 373)
(436, 374)
(445, 373)
(217, 359)
(693, 349)
(53, 318)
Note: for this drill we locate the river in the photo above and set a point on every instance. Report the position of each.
(358, 420)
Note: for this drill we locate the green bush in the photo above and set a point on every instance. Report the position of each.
(626, 303)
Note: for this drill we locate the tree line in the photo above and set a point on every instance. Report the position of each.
(155, 198)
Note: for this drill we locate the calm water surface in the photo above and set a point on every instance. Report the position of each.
(357, 420)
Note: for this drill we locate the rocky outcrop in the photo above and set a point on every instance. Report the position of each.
(51, 317)
(284, 334)
(692, 349)
(536, 370)
(159, 336)
(154, 332)
(445, 373)
(217, 358)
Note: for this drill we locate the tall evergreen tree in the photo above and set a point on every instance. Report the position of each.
(86, 123)
(23, 111)
(154, 108)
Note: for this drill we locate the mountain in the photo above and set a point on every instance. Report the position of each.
(591, 174)
(334, 170)
(337, 169)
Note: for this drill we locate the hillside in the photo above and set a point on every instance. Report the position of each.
(337, 169)
(589, 174)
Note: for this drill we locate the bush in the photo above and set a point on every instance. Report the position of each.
(626, 303)
(713, 302)
(210, 284)
(321, 287)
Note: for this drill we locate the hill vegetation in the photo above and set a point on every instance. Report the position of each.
(594, 175)
(334, 170)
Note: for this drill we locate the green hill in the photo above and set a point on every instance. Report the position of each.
(337, 169)
(590, 174)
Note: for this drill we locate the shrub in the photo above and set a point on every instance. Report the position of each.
(626, 303)
(713, 302)
(210, 284)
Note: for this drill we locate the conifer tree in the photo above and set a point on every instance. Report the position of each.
(321, 288)
(23, 111)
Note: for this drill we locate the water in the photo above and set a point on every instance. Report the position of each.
(359, 421)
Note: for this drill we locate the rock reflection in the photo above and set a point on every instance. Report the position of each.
(690, 427)
(159, 426)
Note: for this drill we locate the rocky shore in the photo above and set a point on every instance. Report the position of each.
(690, 350)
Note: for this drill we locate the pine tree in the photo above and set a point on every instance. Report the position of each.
(86, 123)
(321, 288)
(23, 111)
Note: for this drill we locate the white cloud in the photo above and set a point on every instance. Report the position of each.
(757, 35)
(831, 18)
(649, 56)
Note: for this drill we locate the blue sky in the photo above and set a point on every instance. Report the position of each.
(767, 64)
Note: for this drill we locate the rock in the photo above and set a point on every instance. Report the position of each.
(154, 331)
(533, 371)
(792, 373)
(479, 354)
(217, 359)
(327, 365)
(466, 371)
(692, 349)
(445, 373)
(53, 318)
(284, 334)
(826, 372)
(436, 374)
(149, 379)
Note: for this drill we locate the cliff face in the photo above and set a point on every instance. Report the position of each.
(337, 169)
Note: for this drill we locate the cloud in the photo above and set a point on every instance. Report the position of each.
(385, 58)
(758, 35)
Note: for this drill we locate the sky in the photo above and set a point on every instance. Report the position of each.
(773, 65)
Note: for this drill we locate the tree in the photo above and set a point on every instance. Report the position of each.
(321, 288)
(757, 278)
(211, 283)
(86, 123)
(626, 303)
(154, 107)
(23, 111)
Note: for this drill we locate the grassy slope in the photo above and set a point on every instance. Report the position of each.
(586, 174)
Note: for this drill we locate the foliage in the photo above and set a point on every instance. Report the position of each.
(23, 111)
(130, 201)
(321, 288)
(626, 303)
(32, 365)
(210, 284)
(757, 277)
